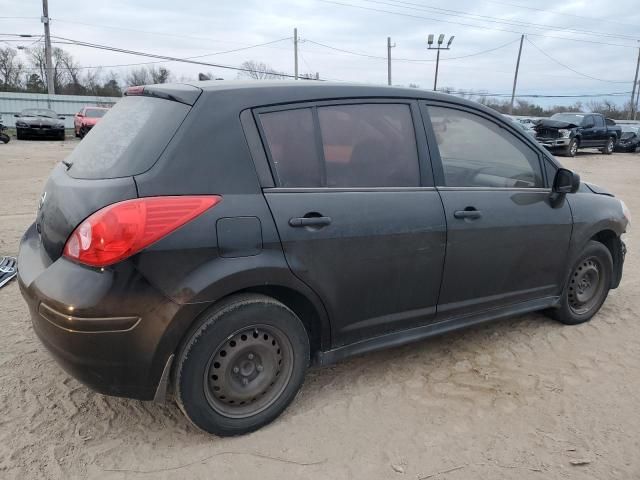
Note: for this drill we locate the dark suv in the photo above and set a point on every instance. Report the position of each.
(213, 240)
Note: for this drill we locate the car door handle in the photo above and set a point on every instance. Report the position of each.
(469, 212)
(309, 221)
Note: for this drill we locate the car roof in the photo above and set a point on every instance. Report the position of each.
(265, 92)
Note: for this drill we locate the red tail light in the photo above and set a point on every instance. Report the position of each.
(122, 229)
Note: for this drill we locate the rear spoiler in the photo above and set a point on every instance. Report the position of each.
(177, 92)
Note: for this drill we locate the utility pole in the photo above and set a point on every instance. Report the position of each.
(389, 61)
(515, 77)
(47, 48)
(632, 107)
(438, 48)
(635, 111)
(295, 52)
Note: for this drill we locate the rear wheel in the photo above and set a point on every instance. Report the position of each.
(587, 286)
(4, 138)
(572, 148)
(608, 148)
(242, 365)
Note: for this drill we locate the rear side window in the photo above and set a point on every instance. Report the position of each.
(364, 145)
(291, 139)
(476, 152)
(369, 146)
(129, 139)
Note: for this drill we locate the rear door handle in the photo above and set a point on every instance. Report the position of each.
(469, 212)
(309, 221)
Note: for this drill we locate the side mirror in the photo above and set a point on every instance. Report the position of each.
(79, 114)
(16, 115)
(566, 181)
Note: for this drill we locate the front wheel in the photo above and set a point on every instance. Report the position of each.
(242, 365)
(572, 148)
(587, 286)
(608, 148)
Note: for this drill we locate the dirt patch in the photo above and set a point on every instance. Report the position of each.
(522, 398)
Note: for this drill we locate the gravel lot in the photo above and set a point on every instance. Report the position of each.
(523, 398)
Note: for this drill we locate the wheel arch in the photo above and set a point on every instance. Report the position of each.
(612, 241)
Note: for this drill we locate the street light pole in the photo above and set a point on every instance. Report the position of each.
(438, 47)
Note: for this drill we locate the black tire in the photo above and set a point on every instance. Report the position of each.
(76, 133)
(609, 147)
(241, 365)
(572, 148)
(4, 138)
(587, 286)
(83, 132)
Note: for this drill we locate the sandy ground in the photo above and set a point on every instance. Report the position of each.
(523, 398)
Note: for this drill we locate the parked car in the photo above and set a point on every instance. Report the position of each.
(4, 137)
(86, 119)
(565, 133)
(39, 123)
(236, 233)
(630, 139)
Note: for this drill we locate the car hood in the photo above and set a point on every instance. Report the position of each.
(548, 123)
(39, 121)
(598, 190)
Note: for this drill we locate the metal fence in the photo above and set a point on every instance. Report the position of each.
(64, 105)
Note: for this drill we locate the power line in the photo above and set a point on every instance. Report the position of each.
(573, 69)
(166, 61)
(146, 32)
(482, 27)
(554, 12)
(533, 95)
(161, 57)
(492, 19)
(418, 60)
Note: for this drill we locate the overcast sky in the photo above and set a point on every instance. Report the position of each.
(607, 50)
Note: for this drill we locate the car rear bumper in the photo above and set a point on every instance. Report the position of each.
(106, 327)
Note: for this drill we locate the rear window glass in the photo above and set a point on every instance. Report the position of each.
(129, 139)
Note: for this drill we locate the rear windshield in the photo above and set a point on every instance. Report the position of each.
(129, 139)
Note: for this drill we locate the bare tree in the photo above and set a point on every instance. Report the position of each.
(148, 75)
(138, 76)
(259, 71)
(11, 69)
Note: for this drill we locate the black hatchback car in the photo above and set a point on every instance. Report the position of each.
(213, 240)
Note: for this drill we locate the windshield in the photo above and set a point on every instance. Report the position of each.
(95, 112)
(630, 128)
(568, 117)
(38, 112)
(129, 140)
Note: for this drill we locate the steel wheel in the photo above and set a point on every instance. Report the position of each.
(586, 286)
(248, 371)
